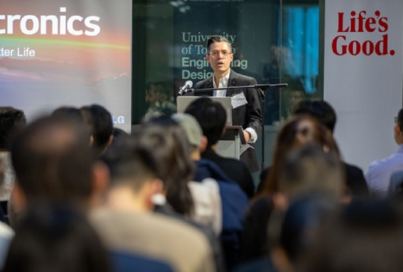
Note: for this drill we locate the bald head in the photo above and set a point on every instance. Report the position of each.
(53, 161)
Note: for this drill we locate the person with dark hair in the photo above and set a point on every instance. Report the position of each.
(297, 132)
(364, 236)
(127, 223)
(56, 238)
(196, 204)
(12, 121)
(100, 122)
(53, 162)
(247, 111)
(292, 233)
(318, 109)
(174, 151)
(380, 172)
(68, 112)
(233, 199)
(326, 115)
(212, 117)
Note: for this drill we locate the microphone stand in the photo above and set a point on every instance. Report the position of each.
(263, 87)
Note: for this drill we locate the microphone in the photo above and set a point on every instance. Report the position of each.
(188, 85)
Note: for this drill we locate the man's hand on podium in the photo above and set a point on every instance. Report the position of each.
(246, 135)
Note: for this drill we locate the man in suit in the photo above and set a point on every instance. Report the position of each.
(246, 109)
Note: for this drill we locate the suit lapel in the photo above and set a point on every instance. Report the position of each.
(209, 83)
(231, 82)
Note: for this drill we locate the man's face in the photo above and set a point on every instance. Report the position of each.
(220, 57)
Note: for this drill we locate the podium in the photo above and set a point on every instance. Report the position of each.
(230, 142)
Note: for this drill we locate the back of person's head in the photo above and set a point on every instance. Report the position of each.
(56, 239)
(211, 117)
(320, 110)
(11, 122)
(68, 112)
(311, 169)
(52, 160)
(296, 132)
(365, 236)
(192, 129)
(130, 164)
(294, 231)
(100, 123)
(168, 144)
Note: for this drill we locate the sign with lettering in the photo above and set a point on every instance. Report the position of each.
(363, 68)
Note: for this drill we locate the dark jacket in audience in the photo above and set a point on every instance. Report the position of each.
(235, 170)
(254, 238)
(233, 203)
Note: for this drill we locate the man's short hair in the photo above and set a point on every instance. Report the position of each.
(320, 110)
(129, 163)
(100, 121)
(68, 112)
(217, 39)
(52, 160)
(11, 120)
(211, 117)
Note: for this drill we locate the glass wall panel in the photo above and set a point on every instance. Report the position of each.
(274, 41)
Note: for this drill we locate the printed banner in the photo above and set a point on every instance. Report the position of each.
(66, 53)
(363, 68)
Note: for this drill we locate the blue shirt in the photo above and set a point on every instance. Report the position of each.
(379, 172)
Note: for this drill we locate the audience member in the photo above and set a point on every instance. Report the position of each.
(199, 201)
(167, 144)
(6, 233)
(54, 162)
(127, 223)
(11, 122)
(68, 112)
(100, 123)
(326, 115)
(364, 236)
(296, 132)
(212, 117)
(233, 199)
(174, 152)
(292, 233)
(56, 238)
(379, 172)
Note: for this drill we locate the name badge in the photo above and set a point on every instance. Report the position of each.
(238, 100)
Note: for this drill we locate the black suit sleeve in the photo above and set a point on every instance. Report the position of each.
(254, 112)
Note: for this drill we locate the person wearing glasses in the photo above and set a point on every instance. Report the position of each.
(380, 172)
(246, 102)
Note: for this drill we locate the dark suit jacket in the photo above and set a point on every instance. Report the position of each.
(249, 115)
(235, 169)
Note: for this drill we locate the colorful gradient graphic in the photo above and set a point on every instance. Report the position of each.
(41, 72)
